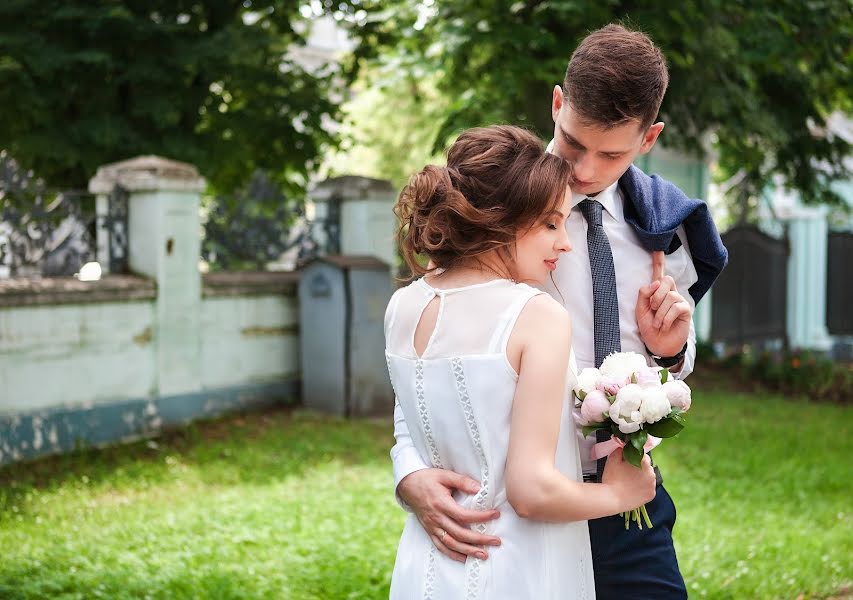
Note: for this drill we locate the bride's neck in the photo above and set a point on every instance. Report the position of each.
(471, 272)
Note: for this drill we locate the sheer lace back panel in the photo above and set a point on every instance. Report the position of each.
(473, 320)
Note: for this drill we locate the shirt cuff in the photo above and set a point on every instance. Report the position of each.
(406, 461)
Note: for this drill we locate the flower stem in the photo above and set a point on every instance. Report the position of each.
(646, 516)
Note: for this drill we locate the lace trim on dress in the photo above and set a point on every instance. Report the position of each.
(473, 565)
(426, 421)
(423, 411)
(583, 569)
(429, 582)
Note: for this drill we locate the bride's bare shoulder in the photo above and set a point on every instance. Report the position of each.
(542, 313)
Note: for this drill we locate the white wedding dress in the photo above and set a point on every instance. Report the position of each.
(457, 401)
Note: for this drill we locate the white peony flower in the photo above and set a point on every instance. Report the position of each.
(623, 364)
(586, 381)
(678, 394)
(655, 404)
(594, 408)
(625, 410)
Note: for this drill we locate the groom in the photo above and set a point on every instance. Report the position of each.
(604, 117)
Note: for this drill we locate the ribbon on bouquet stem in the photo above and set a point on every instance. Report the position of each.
(602, 449)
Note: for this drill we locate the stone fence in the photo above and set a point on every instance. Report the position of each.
(94, 362)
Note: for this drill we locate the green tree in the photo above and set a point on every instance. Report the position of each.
(757, 79)
(389, 126)
(205, 81)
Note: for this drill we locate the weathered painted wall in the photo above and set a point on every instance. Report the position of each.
(87, 373)
(249, 339)
(75, 355)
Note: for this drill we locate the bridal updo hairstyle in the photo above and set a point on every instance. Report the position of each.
(498, 183)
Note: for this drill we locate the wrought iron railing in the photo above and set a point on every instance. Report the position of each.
(261, 227)
(51, 233)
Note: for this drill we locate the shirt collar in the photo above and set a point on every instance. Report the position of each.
(609, 198)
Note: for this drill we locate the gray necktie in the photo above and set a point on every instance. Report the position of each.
(604, 298)
(605, 301)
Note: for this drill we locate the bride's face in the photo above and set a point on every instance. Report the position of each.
(538, 249)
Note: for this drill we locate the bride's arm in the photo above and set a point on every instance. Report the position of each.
(535, 488)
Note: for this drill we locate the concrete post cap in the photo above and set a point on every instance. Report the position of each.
(147, 173)
(351, 187)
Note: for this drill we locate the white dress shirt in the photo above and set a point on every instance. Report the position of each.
(572, 286)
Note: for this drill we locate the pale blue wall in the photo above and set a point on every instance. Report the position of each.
(87, 373)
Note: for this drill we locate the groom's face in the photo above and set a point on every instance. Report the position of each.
(600, 156)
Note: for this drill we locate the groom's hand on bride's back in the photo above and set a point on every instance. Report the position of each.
(429, 494)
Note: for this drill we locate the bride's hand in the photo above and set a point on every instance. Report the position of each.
(429, 494)
(632, 486)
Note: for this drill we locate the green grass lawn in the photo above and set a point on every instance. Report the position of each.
(289, 505)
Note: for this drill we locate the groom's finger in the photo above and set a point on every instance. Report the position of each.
(669, 300)
(666, 285)
(658, 264)
(455, 526)
(442, 547)
(679, 310)
(459, 541)
(459, 482)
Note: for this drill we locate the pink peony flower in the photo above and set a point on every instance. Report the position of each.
(611, 384)
(648, 377)
(678, 394)
(595, 407)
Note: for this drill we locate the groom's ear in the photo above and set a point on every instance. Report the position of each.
(651, 136)
(556, 102)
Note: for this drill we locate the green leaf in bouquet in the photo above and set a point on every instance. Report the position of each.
(638, 439)
(632, 455)
(664, 375)
(581, 395)
(665, 428)
(678, 415)
(587, 429)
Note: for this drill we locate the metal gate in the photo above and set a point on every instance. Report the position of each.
(839, 284)
(750, 295)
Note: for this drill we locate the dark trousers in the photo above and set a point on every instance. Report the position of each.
(637, 564)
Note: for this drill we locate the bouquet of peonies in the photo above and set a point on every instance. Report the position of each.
(637, 404)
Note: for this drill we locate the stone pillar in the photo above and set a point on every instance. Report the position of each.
(808, 238)
(164, 244)
(365, 207)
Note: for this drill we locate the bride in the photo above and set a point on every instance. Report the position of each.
(479, 361)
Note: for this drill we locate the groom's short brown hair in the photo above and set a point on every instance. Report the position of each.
(616, 76)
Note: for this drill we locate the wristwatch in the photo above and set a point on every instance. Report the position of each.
(668, 361)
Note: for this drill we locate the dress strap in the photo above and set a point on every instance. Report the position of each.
(507, 320)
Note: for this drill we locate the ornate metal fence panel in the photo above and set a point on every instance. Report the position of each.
(51, 233)
(47, 235)
(750, 296)
(260, 226)
(839, 284)
(113, 229)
